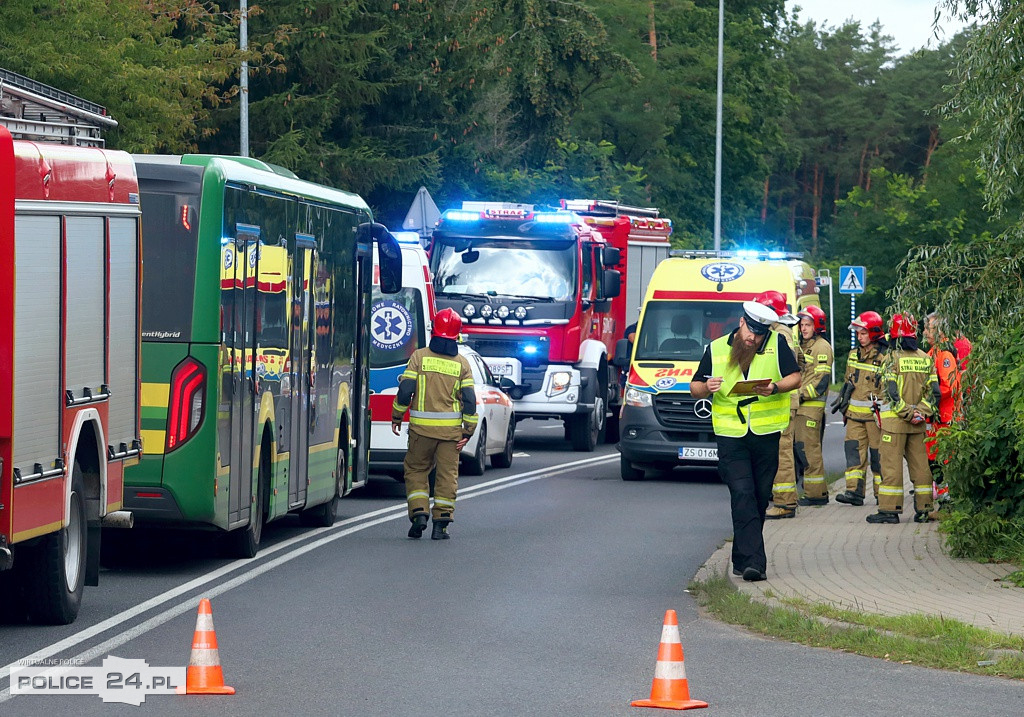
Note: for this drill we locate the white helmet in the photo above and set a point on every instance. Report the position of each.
(759, 317)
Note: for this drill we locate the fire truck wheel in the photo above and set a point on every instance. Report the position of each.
(56, 582)
(586, 431)
(476, 465)
(504, 459)
(245, 542)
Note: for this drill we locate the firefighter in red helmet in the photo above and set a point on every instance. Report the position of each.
(437, 390)
(784, 488)
(860, 402)
(911, 392)
(815, 377)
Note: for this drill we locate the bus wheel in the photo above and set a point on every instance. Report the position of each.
(58, 575)
(324, 515)
(245, 542)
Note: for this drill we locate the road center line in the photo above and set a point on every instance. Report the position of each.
(398, 511)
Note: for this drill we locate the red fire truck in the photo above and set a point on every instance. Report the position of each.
(540, 292)
(69, 344)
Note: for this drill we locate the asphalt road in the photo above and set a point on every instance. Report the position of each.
(548, 600)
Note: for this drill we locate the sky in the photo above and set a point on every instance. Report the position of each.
(908, 21)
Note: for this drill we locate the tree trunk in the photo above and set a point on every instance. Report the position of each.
(818, 184)
(933, 144)
(651, 34)
(764, 200)
(835, 196)
(860, 176)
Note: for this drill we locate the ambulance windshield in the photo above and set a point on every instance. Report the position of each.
(396, 327)
(542, 269)
(679, 330)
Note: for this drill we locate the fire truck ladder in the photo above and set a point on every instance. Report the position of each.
(609, 208)
(34, 111)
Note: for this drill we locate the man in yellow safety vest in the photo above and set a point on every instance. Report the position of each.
(748, 374)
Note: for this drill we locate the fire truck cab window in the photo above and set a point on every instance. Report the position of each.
(679, 330)
(544, 268)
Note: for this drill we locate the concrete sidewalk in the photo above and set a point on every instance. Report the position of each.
(829, 554)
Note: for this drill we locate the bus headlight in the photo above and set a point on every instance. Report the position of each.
(637, 399)
(559, 382)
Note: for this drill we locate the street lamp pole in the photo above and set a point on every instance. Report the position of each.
(243, 45)
(718, 132)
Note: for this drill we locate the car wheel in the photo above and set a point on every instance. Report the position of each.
(476, 465)
(504, 459)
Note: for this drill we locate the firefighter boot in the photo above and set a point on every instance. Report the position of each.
(881, 517)
(440, 531)
(850, 498)
(776, 512)
(419, 524)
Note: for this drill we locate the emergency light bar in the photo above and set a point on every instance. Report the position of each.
(406, 237)
(742, 254)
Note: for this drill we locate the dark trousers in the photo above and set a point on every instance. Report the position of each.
(748, 466)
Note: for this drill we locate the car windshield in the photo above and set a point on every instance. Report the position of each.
(679, 330)
(544, 269)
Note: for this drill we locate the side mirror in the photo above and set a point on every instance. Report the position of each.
(621, 357)
(612, 283)
(611, 256)
(506, 384)
(389, 255)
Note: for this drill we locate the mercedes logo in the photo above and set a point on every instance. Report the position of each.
(702, 408)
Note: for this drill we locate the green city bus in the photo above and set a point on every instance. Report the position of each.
(255, 376)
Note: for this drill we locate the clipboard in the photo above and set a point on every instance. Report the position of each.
(746, 387)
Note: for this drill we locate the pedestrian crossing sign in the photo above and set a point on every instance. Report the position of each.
(851, 279)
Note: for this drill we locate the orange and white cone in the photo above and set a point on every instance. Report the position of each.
(204, 675)
(669, 690)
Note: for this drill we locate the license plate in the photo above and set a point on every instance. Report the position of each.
(501, 369)
(693, 453)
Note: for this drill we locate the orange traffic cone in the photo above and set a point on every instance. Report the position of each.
(204, 676)
(670, 689)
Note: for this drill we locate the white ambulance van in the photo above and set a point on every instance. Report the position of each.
(693, 298)
(399, 324)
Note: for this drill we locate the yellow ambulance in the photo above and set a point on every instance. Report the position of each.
(693, 298)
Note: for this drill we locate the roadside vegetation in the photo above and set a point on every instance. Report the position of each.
(913, 639)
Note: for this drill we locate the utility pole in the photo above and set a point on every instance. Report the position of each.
(718, 132)
(243, 45)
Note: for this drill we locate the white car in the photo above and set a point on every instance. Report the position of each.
(496, 421)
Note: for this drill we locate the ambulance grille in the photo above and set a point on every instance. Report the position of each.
(676, 411)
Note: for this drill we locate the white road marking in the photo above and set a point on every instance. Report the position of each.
(398, 510)
(520, 455)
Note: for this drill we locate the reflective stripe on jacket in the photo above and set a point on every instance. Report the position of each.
(815, 375)
(733, 416)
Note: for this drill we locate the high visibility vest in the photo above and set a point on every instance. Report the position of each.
(733, 416)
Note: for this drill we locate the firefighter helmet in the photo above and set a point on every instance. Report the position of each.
(815, 315)
(447, 324)
(903, 326)
(776, 301)
(871, 322)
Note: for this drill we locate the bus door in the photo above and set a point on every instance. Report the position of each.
(302, 369)
(360, 368)
(239, 335)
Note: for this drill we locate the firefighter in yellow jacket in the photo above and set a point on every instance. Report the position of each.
(912, 395)
(815, 376)
(437, 390)
(784, 488)
(859, 401)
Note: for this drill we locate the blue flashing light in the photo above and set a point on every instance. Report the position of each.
(530, 349)
(406, 237)
(458, 215)
(748, 254)
(776, 255)
(554, 217)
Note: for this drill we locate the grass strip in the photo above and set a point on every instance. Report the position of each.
(919, 640)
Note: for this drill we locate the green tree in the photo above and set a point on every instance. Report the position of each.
(155, 64)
